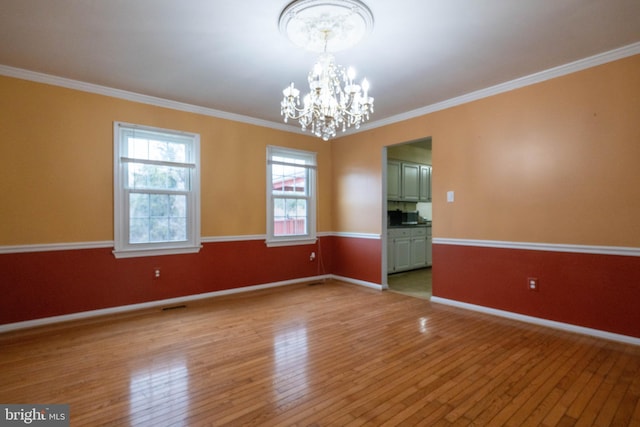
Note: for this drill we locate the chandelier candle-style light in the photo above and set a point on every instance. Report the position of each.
(334, 100)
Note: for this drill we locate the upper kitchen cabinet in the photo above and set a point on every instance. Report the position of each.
(425, 183)
(409, 171)
(408, 182)
(394, 191)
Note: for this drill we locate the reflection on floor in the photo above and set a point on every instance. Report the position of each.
(415, 283)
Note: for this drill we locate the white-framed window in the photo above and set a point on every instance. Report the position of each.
(156, 191)
(291, 196)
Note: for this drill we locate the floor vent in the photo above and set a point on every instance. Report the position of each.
(174, 307)
(315, 283)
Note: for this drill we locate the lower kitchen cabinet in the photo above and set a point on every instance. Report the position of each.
(399, 249)
(402, 254)
(407, 248)
(418, 247)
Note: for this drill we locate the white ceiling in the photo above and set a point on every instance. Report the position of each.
(230, 56)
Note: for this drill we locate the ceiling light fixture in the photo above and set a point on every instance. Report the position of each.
(334, 101)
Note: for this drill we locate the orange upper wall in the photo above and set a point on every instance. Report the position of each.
(56, 167)
(555, 162)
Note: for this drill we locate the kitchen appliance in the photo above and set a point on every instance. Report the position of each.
(410, 218)
(394, 218)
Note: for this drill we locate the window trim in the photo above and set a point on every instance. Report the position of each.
(311, 236)
(122, 247)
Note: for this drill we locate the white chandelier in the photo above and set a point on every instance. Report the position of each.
(334, 100)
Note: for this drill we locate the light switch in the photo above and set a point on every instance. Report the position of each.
(450, 196)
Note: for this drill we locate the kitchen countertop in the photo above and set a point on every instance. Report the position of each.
(422, 224)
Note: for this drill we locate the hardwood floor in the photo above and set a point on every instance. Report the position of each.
(329, 354)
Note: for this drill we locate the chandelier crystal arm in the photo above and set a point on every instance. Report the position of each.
(334, 101)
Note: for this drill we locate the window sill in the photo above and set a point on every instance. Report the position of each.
(133, 253)
(291, 242)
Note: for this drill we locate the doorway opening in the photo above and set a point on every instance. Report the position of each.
(407, 218)
(415, 283)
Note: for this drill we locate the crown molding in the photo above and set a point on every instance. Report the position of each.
(572, 67)
(49, 79)
(551, 73)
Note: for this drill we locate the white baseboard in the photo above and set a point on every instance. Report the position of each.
(181, 300)
(358, 282)
(539, 321)
(146, 305)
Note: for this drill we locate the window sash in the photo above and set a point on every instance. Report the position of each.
(287, 219)
(157, 162)
(182, 177)
(281, 163)
(300, 190)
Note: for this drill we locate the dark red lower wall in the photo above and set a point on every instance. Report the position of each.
(43, 284)
(357, 258)
(594, 291)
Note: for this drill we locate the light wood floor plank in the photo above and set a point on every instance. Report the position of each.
(330, 354)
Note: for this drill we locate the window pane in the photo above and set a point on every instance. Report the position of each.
(140, 147)
(178, 206)
(138, 206)
(157, 218)
(177, 229)
(154, 177)
(158, 205)
(167, 151)
(289, 217)
(138, 230)
(158, 229)
(289, 179)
